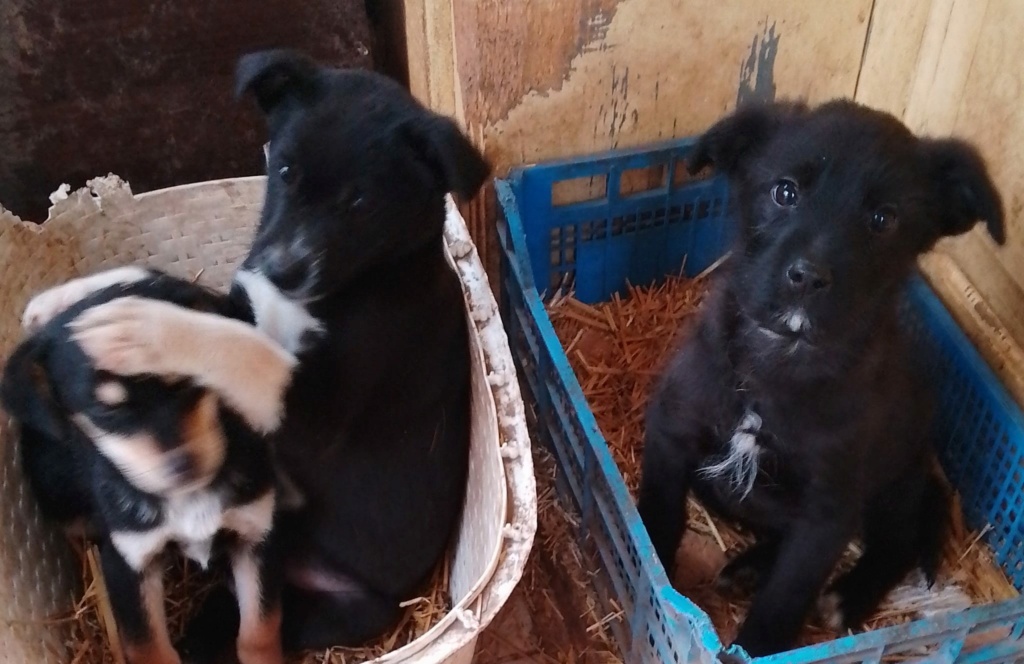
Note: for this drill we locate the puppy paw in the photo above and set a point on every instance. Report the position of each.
(127, 336)
(742, 575)
(152, 652)
(729, 657)
(259, 641)
(45, 306)
(260, 655)
(738, 580)
(830, 611)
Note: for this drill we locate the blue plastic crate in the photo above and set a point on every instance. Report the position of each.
(620, 234)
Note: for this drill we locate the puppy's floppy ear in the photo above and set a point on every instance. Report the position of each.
(963, 188)
(732, 138)
(25, 390)
(271, 76)
(442, 146)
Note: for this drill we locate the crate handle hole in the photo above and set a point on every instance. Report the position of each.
(579, 190)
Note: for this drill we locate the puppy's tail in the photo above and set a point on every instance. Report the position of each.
(935, 524)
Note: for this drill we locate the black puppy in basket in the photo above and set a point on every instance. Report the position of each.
(152, 449)
(347, 270)
(792, 409)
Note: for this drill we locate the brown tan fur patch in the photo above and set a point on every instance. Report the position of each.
(259, 633)
(202, 436)
(158, 650)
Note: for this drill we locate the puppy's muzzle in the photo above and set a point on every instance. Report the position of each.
(181, 466)
(287, 269)
(808, 278)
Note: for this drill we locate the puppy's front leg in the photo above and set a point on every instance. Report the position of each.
(52, 301)
(137, 601)
(664, 485)
(132, 336)
(257, 574)
(806, 557)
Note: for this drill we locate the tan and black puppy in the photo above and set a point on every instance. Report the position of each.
(156, 445)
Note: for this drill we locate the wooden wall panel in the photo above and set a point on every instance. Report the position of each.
(956, 70)
(533, 79)
(145, 89)
(644, 70)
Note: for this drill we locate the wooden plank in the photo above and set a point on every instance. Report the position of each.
(951, 67)
(431, 55)
(951, 37)
(554, 79)
(986, 110)
(891, 53)
(982, 324)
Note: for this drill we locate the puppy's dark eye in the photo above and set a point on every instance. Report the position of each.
(883, 221)
(784, 193)
(288, 174)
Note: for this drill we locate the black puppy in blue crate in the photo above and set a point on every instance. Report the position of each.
(792, 409)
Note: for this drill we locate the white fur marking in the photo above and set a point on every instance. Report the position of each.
(830, 613)
(248, 589)
(796, 320)
(111, 393)
(46, 305)
(740, 464)
(251, 521)
(916, 597)
(280, 318)
(192, 521)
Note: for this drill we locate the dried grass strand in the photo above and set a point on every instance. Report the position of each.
(95, 632)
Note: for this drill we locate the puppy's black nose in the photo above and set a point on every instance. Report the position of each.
(806, 277)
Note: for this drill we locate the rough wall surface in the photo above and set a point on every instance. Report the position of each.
(144, 88)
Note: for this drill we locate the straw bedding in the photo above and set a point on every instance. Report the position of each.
(553, 616)
(616, 349)
(94, 636)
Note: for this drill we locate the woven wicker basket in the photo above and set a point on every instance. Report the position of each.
(204, 229)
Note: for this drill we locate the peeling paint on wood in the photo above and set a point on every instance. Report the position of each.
(757, 73)
(507, 48)
(664, 69)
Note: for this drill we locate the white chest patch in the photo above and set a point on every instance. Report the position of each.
(191, 521)
(796, 320)
(282, 319)
(740, 463)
